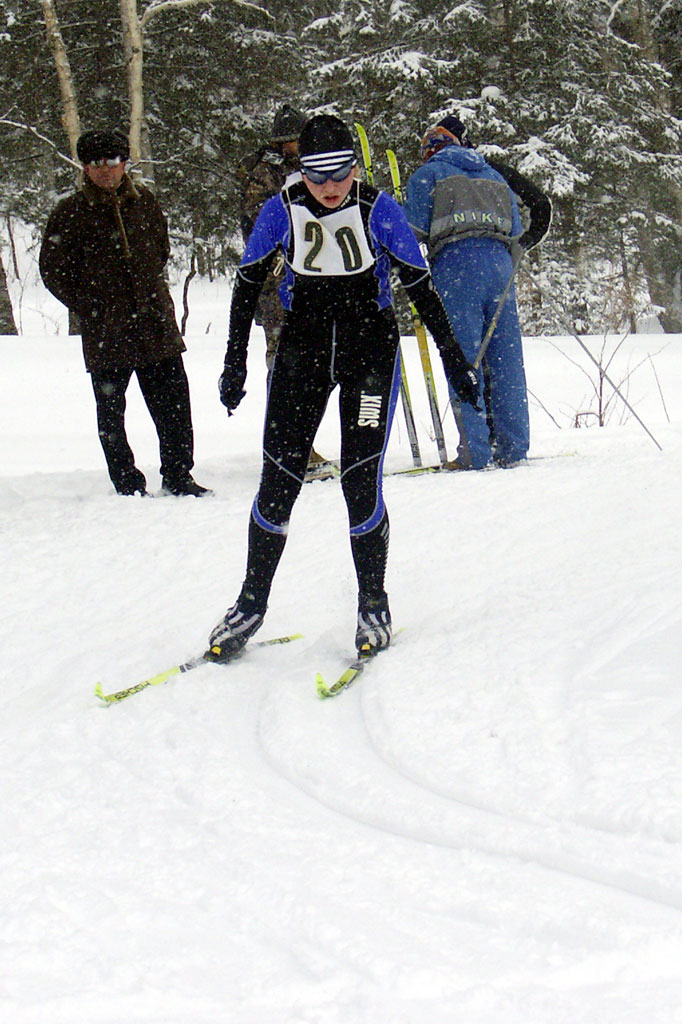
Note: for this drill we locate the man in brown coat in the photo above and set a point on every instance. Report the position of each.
(103, 255)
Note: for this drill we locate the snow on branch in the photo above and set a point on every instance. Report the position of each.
(42, 138)
(158, 6)
(614, 11)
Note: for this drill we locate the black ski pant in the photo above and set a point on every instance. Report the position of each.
(360, 357)
(165, 389)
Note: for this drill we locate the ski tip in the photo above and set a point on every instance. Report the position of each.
(322, 688)
(99, 692)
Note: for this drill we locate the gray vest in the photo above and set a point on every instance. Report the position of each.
(466, 207)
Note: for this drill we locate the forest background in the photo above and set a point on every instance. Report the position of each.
(582, 96)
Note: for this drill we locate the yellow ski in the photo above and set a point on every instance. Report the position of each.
(163, 677)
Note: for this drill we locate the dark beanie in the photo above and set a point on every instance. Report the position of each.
(325, 133)
(457, 127)
(102, 144)
(287, 124)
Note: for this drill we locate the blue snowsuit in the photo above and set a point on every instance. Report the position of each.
(468, 216)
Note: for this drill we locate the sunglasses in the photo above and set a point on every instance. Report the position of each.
(319, 177)
(109, 161)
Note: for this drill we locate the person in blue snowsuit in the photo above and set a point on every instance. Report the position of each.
(339, 238)
(467, 215)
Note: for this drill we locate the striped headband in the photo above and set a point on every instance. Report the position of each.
(328, 161)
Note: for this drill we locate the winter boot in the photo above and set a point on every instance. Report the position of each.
(241, 621)
(374, 625)
(132, 482)
(186, 487)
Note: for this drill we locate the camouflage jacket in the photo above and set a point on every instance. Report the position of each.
(261, 176)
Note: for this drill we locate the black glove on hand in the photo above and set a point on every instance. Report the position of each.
(465, 382)
(231, 386)
(461, 376)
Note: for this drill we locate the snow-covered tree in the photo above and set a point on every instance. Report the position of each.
(585, 96)
(574, 94)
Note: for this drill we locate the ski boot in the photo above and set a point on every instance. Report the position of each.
(373, 632)
(240, 622)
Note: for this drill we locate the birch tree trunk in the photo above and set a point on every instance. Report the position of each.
(67, 89)
(134, 25)
(133, 46)
(70, 118)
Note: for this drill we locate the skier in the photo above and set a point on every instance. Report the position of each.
(468, 216)
(339, 238)
(103, 255)
(262, 175)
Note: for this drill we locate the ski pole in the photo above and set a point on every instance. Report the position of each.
(427, 370)
(498, 311)
(420, 333)
(404, 389)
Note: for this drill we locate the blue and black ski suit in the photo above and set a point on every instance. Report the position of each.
(339, 330)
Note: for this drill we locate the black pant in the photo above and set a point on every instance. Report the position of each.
(165, 389)
(313, 357)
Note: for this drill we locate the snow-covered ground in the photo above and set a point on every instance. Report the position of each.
(486, 829)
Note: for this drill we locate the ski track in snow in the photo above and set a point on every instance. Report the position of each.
(486, 827)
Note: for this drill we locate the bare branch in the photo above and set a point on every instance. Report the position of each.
(544, 408)
(658, 383)
(48, 142)
(603, 375)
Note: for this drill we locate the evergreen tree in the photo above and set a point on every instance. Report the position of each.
(584, 96)
(571, 94)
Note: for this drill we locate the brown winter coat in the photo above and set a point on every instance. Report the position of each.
(103, 255)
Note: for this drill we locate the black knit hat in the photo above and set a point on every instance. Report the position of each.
(287, 124)
(102, 144)
(325, 133)
(326, 144)
(457, 127)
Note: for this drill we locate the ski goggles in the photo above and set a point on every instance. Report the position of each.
(107, 161)
(319, 175)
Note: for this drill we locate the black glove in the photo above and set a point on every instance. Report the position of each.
(461, 376)
(465, 382)
(231, 385)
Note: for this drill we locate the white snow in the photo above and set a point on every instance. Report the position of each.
(490, 93)
(486, 829)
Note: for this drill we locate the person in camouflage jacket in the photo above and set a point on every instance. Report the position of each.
(262, 175)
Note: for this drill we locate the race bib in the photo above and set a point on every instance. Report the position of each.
(332, 246)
